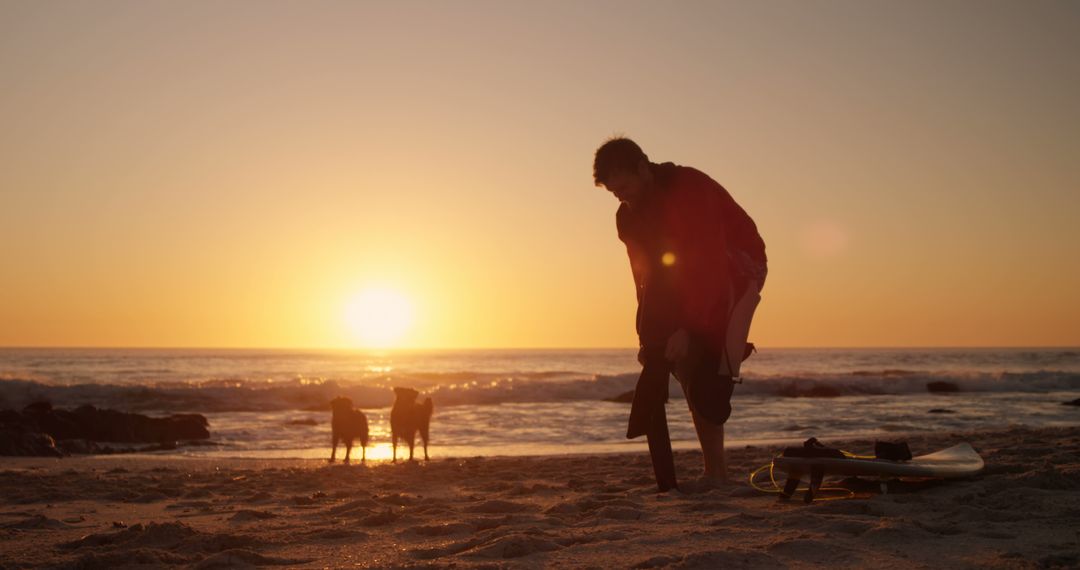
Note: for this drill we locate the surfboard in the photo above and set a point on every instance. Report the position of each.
(958, 461)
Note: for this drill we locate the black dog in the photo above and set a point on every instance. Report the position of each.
(348, 424)
(407, 417)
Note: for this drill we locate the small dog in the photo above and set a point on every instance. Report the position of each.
(348, 424)
(407, 417)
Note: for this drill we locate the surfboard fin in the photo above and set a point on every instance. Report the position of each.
(817, 474)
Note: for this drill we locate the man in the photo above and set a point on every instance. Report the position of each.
(698, 264)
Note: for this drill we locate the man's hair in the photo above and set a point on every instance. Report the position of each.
(618, 154)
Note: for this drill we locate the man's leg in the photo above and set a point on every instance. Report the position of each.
(708, 396)
(711, 437)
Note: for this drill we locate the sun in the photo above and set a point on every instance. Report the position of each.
(379, 317)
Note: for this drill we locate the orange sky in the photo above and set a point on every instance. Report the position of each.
(233, 174)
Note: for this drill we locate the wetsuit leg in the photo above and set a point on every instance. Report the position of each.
(663, 459)
(651, 390)
(648, 418)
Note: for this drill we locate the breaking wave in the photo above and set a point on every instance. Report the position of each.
(463, 388)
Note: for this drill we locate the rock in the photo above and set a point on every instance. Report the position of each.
(24, 443)
(1075, 402)
(941, 411)
(38, 407)
(939, 387)
(624, 398)
(163, 446)
(78, 446)
(39, 430)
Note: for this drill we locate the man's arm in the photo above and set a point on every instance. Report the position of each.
(638, 258)
(702, 255)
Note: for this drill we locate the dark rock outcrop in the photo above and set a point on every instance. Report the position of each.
(16, 442)
(624, 398)
(41, 430)
(939, 387)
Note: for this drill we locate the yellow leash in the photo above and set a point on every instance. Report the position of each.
(778, 489)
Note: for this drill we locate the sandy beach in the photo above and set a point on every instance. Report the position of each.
(557, 511)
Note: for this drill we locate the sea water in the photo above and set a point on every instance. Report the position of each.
(274, 403)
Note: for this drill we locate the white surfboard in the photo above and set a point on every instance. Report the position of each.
(957, 461)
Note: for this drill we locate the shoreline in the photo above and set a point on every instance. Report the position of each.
(317, 456)
(558, 510)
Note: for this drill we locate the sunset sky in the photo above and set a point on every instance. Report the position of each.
(239, 174)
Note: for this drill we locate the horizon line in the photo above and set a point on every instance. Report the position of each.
(522, 348)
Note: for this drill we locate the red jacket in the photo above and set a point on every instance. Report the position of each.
(681, 239)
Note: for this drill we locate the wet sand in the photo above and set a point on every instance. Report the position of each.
(564, 511)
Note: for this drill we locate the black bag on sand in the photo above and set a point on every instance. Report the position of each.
(897, 451)
(813, 448)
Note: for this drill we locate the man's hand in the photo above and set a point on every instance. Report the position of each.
(677, 346)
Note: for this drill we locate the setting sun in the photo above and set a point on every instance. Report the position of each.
(379, 317)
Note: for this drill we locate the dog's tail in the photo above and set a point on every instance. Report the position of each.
(425, 423)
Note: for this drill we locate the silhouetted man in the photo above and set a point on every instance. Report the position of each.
(699, 265)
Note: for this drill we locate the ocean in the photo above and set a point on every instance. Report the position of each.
(274, 403)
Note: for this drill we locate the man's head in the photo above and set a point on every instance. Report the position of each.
(622, 168)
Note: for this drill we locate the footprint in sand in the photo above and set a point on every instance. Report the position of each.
(514, 546)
